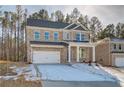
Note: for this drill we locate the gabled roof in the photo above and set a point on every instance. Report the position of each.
(52, 24)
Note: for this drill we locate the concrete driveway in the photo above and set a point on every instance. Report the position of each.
(78, 75)
(48, 83)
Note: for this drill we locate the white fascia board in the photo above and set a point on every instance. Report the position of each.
(119, 54)
(82, 26)
(76, 27)
(69, 25)
(81, 44)
(50, 46)
(119, 42)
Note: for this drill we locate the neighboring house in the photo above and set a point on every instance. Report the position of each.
(56, 42)
(110, 52)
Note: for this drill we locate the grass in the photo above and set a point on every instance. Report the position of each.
(5, 70)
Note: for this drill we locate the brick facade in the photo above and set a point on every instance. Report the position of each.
(103, 53)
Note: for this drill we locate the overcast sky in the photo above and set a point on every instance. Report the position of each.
(106, 14)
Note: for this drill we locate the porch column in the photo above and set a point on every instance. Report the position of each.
(69, 53)
(77, 53)
(94, 58)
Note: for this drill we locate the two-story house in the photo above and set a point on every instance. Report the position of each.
(110, 52)
(57, 42)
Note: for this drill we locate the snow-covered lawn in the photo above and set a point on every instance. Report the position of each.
(75, 72)
(28, 72)
(116, 72)
(14, 74)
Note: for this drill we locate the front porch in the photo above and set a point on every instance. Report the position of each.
(81, 52)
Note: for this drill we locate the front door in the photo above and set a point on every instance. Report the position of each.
(82, 54)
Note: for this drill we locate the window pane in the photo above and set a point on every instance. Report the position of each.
(78, 36)
(37, 35)
(56, 36)
(82, 37)
(46, 35)
(67, 35)
(119, 46)
(114, 46)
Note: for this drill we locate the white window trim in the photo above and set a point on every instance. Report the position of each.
(65, 35)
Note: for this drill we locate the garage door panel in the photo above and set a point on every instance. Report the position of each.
(46, 57)
(119, 62)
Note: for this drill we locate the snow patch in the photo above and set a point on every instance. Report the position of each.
(29, 73)
(94, 70)
(8, 77)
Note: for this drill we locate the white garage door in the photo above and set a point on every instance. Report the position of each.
(46, 57)
(119, 62)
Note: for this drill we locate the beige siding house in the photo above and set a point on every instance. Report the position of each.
(110, 52)
(57, 42)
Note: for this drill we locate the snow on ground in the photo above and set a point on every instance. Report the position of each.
(116, 72)
(76, 72)
(9, 77)
(29, 73)
(94, 70)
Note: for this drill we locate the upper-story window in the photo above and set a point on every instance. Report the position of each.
(119, 46)
(67, 36)
(82, 37)
(56, 36)
(47, 36)
(37, 35)
(114, 46)
(78, 36)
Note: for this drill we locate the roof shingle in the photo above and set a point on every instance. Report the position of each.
(51, 24)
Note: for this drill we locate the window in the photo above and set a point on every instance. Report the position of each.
(119, 46)
(114, 46)
(67, 34)
(78, 36)
(37, 36)
(56, 36)
(82, 37)
(46, 36)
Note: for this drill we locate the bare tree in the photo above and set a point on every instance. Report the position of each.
(95, 27)
(14, 36)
